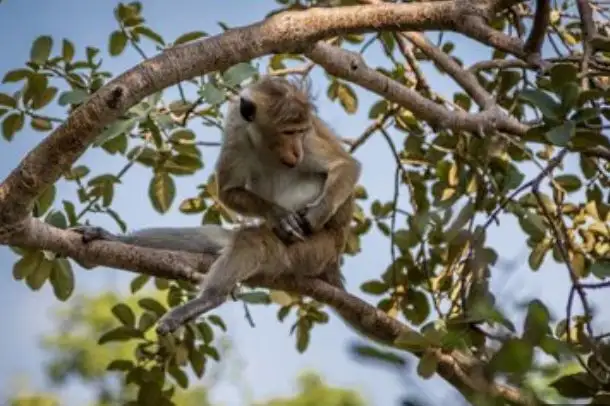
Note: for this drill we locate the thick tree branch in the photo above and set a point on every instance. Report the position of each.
(461, 370)
(464, 78)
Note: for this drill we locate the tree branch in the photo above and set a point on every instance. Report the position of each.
(351, 66)
(461, 370)
(541, 21)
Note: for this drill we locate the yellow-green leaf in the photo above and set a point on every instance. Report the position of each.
(189, 36)
(62, 279)
(41, 49)
(67, 50)
(41, 124)
(162, 191)
(193, 205)
(6, 100)
(11, 125)
(117, 42)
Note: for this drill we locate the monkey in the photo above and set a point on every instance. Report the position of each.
(279, 163)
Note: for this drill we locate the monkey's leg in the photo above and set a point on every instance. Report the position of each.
(317, 257)
(252, 250)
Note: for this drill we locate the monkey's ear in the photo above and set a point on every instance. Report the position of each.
(247, 109)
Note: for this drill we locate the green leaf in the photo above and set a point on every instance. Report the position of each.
(578, 385)
(562, 73)
(206, 332)
(427, 365)
(537, 255)
(38, 277)
(548, 107)
(16, 75)
(461, 220)
(536, 324)
(75, 96)
(117, 42)
(515, 356)
(303, 336)
(462, 100)
(601, 268)
(122, 333)
(27, 264)
(67, 50)
(238, 73)
(193, 205)
(416, 308)
(197, 362)
(369, 352)
(561, 134)
(12, 124)
(190, 36)
(124, 314)
(147, 32)
(570, 183)
(216, 320)
(374, 287)
(120, 365)
(255, 297)
(179, 376)
(162, 191)
(138, 282)
(147, 320)
(62, 279)
(347, 97)
(44, 98)
(56, 218)
(152, 305)
(211, 94)
(6, 100)
(44, 201)
(411, 340)
(41, 49)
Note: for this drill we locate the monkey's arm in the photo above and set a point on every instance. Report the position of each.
(232, 178)
(207, 239)
(342, 173)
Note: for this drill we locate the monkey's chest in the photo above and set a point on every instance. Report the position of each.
(290, 189)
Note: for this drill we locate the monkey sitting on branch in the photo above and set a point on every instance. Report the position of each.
(280, 163)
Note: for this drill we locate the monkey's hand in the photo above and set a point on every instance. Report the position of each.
(293, 227)
(93, 233)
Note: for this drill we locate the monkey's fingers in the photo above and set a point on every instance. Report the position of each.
(290, 225)
(92, 233)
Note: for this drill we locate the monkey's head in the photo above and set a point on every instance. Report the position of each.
(279, 116)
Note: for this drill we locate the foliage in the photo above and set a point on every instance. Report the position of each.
(74, 355)
(458, 183)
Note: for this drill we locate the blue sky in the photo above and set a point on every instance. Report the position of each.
(270, 362)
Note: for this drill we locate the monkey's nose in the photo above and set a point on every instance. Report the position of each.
(247, 109)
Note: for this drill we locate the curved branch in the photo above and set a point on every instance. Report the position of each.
(351, 66)
(462, 371)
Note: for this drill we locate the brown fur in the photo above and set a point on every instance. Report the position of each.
(284, 161)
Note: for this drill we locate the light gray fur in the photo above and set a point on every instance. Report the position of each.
(206, 239)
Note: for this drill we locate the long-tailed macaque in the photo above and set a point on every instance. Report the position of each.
(280, 163)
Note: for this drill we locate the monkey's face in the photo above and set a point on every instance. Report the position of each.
(279, 115)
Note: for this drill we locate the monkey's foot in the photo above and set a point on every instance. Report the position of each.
(92, 233)
(181, 315)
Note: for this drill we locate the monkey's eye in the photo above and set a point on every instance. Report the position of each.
(247, 109)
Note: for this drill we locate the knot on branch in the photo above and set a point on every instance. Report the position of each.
(114, 97)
